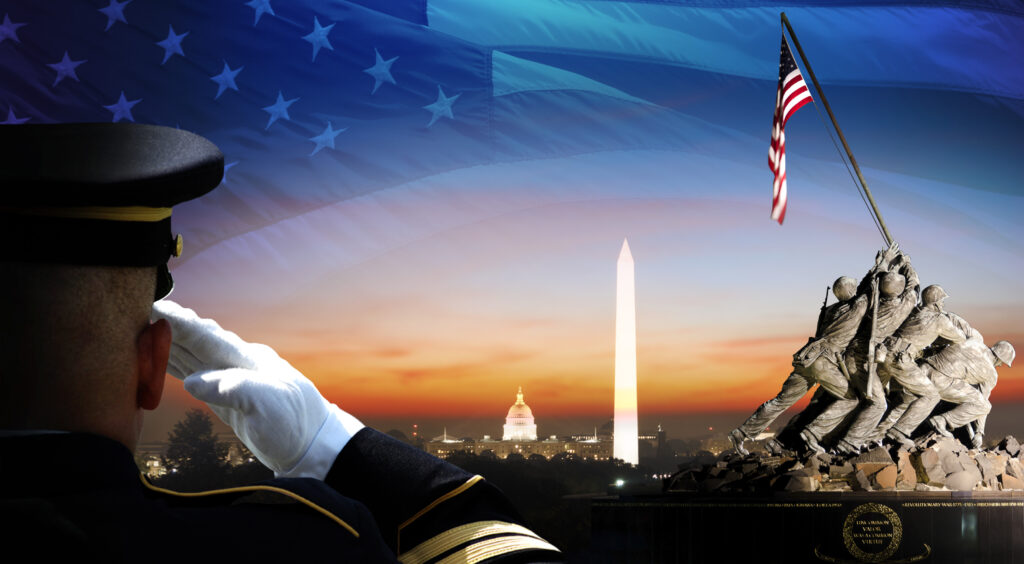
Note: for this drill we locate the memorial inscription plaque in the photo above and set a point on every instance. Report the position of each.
(872, 532)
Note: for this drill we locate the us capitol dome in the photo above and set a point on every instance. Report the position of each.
(519, 423)
(520, 439)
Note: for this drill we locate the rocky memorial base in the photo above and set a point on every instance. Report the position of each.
(937, 464)
(937, 502)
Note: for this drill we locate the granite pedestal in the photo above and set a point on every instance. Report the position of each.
(946, 526)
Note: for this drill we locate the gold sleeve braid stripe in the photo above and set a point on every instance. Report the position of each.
(461, 535)
(489, 548)
(244, 489)
(468, 484)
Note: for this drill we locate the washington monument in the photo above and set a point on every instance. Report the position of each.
(626, 442)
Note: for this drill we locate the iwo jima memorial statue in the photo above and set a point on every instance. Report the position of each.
(887, 463)
(887, 348)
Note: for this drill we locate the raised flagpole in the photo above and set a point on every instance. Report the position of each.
(842, 138)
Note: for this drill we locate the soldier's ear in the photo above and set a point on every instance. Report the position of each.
(154, 349)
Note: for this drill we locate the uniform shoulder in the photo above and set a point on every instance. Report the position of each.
(304, 509)
(306, 493)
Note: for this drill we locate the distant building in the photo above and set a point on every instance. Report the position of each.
(148, 457)
(444, 446)
(519, 423)
(520, 437)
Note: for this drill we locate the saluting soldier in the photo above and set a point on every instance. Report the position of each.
(86, 224)
(819, 361)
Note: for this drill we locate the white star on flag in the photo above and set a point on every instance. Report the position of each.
(261, 7)
(380, 71)
(441, 107)
(114, 13)
(318, 37)
(226, 79)
(172, 45)
(325, 139)
(65, 68)
(278, 109)
(122, 109)
(9, 29)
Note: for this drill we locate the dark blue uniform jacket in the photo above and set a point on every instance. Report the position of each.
(77, 497)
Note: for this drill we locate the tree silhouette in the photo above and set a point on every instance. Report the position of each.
(195, 459)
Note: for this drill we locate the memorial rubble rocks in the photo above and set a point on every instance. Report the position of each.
(937, 464)
(1015, 469)
(1008, 482)
(928, 467)
(906, 474)
(1010, 446)
(859, 481)
(964, 480)
(885, 479)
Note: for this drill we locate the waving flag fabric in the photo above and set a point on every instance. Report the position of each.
(425, 196)
(791, 96)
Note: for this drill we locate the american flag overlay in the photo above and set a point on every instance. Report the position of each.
(315, 103)
(424, 199)
(792, 95)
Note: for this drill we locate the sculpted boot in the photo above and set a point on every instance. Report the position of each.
(812, 442)
(737, 437)
(898, 438)
(774, 447)
(938, 422)
(846, 447)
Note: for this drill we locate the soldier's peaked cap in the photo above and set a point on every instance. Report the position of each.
(100, 193)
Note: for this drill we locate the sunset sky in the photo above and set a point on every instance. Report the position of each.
(427, 265)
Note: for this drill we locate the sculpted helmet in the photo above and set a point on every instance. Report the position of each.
(1004, 352)
(893, 284)
(933, 294)
(844, 288)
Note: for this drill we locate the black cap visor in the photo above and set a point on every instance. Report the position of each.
(77, 241)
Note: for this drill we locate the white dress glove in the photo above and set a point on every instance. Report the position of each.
(275, 410)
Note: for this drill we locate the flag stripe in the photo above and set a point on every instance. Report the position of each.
(790, 97)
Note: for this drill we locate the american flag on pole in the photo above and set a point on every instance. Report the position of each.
(791, 96)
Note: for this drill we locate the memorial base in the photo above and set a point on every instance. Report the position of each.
(812, 527)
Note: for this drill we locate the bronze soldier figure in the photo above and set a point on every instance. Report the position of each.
(899, 357)
(820, 361)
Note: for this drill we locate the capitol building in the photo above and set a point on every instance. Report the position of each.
(519, 436)
(519, 423)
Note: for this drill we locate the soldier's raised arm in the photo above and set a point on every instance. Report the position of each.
(904, 267)
(961, 324)
(423, 506)
(883, 259)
